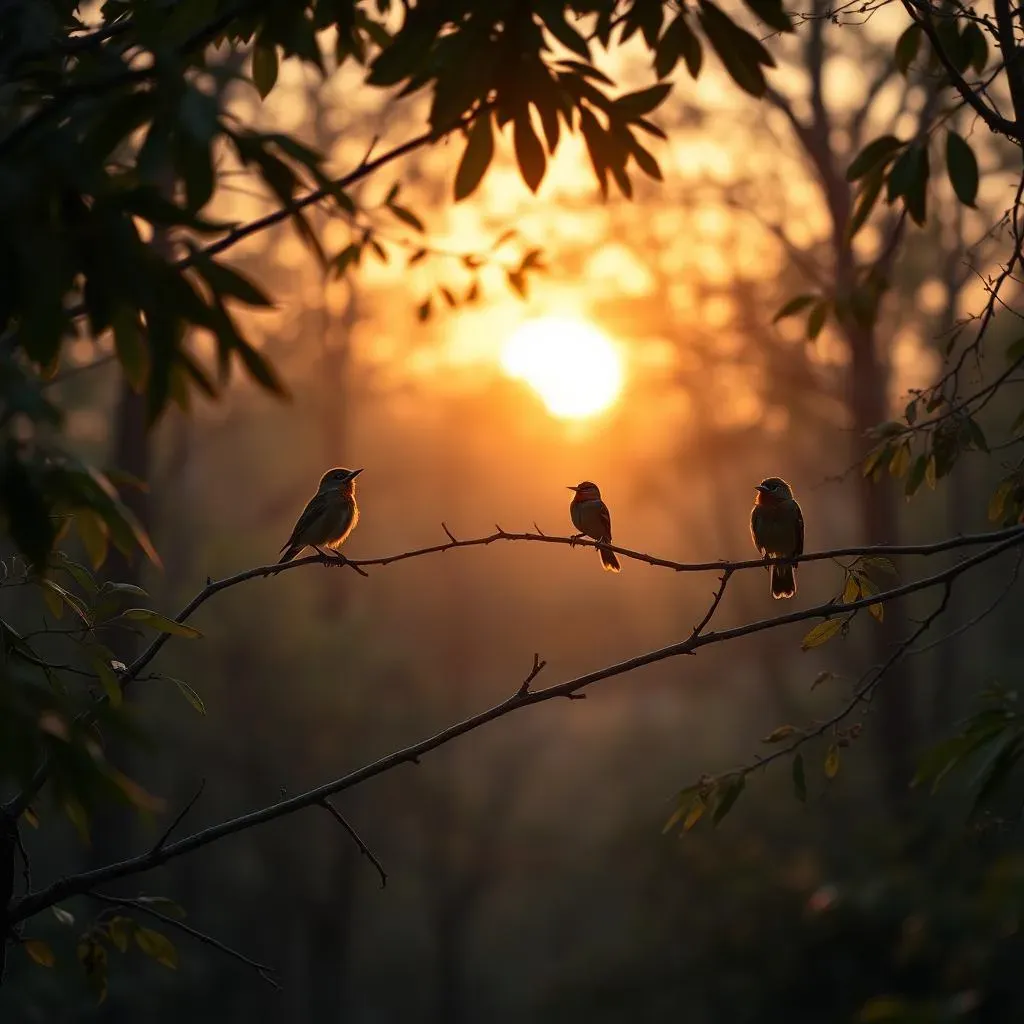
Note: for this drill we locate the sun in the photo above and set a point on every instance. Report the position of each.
(574, 368)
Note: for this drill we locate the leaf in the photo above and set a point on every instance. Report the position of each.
(695, 813)
(822, 677)
(157, 946)
(93, 532)
(976, 46)
(900, 462)
(632, 105)
(189, 694)
(740, 52)
(779, 733)
(160, 622)
(877, 151)
(867, 197)
(962, 166)
(851, 591)
(909, 179)
(476, 157)
(529, 151)
(40, 952)
(997, 502)
(120, 929)
(129, 346)
(930, 472)
(832, 761)
(882, 563)
(225, 280)
(772, 13)
(822, 633)
(799, 779)
(62, 915)
(816, 319)
(916, 476)
(264, 67)
(730, 794)
(907, 47)
(794, 306)
(406, 216)
(108, 680)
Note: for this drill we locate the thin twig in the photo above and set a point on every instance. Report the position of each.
(162, 841)
(265, 972)
(363, 848)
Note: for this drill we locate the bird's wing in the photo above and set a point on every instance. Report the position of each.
(605, 518)
(313, 510)
(754, 517)
(799, 530)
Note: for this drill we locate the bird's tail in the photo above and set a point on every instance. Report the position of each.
(783, 581)
(290, 553)
(609, 561)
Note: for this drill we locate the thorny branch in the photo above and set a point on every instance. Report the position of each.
(85, 882)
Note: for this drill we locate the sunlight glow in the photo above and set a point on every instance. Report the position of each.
(574, 368)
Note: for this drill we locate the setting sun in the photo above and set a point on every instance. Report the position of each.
(574, 368)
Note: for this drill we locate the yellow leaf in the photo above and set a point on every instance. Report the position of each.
(30, 816)
(157, 946)
(93, 532)
(694, 815)
(878, 611)
(40, 952)
(160, 622)
(851, 591)
(997, 503)
(900, 461)
(930, 476)
(832, 762)
(780, 733)
(821, 633)
(120, 929)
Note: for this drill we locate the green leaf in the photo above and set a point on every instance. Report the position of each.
(867, 196)
(909, 179)
(822, 633)
(264, 67)
(881, 563)
(907, 47)
(160, 622)
(476, 157)
(189, 694)
(976, 46)
(962, 167)
(794, 306)
(878, 151)
(799, 778)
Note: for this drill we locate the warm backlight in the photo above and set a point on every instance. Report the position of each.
(574, 368)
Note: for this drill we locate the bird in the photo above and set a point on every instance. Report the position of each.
(591, 517)
(329, 516)
(777, 528)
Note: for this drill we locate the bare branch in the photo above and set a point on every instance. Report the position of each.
(180, 817)
(84, 882)
(363, 848)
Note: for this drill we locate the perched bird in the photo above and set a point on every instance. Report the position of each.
(591, 517)
(329, 517)
(777, 526)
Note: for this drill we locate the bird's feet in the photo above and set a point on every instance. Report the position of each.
(575, 537)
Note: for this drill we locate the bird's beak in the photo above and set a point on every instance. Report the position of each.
(354, 474)
(572, 488)
(761, 488)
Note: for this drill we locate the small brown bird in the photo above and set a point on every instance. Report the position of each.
(329, 517)
(777, 527)
(591, 517)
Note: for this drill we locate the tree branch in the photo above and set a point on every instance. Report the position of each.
(72, 885)
(363, 848)
(266, 973)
